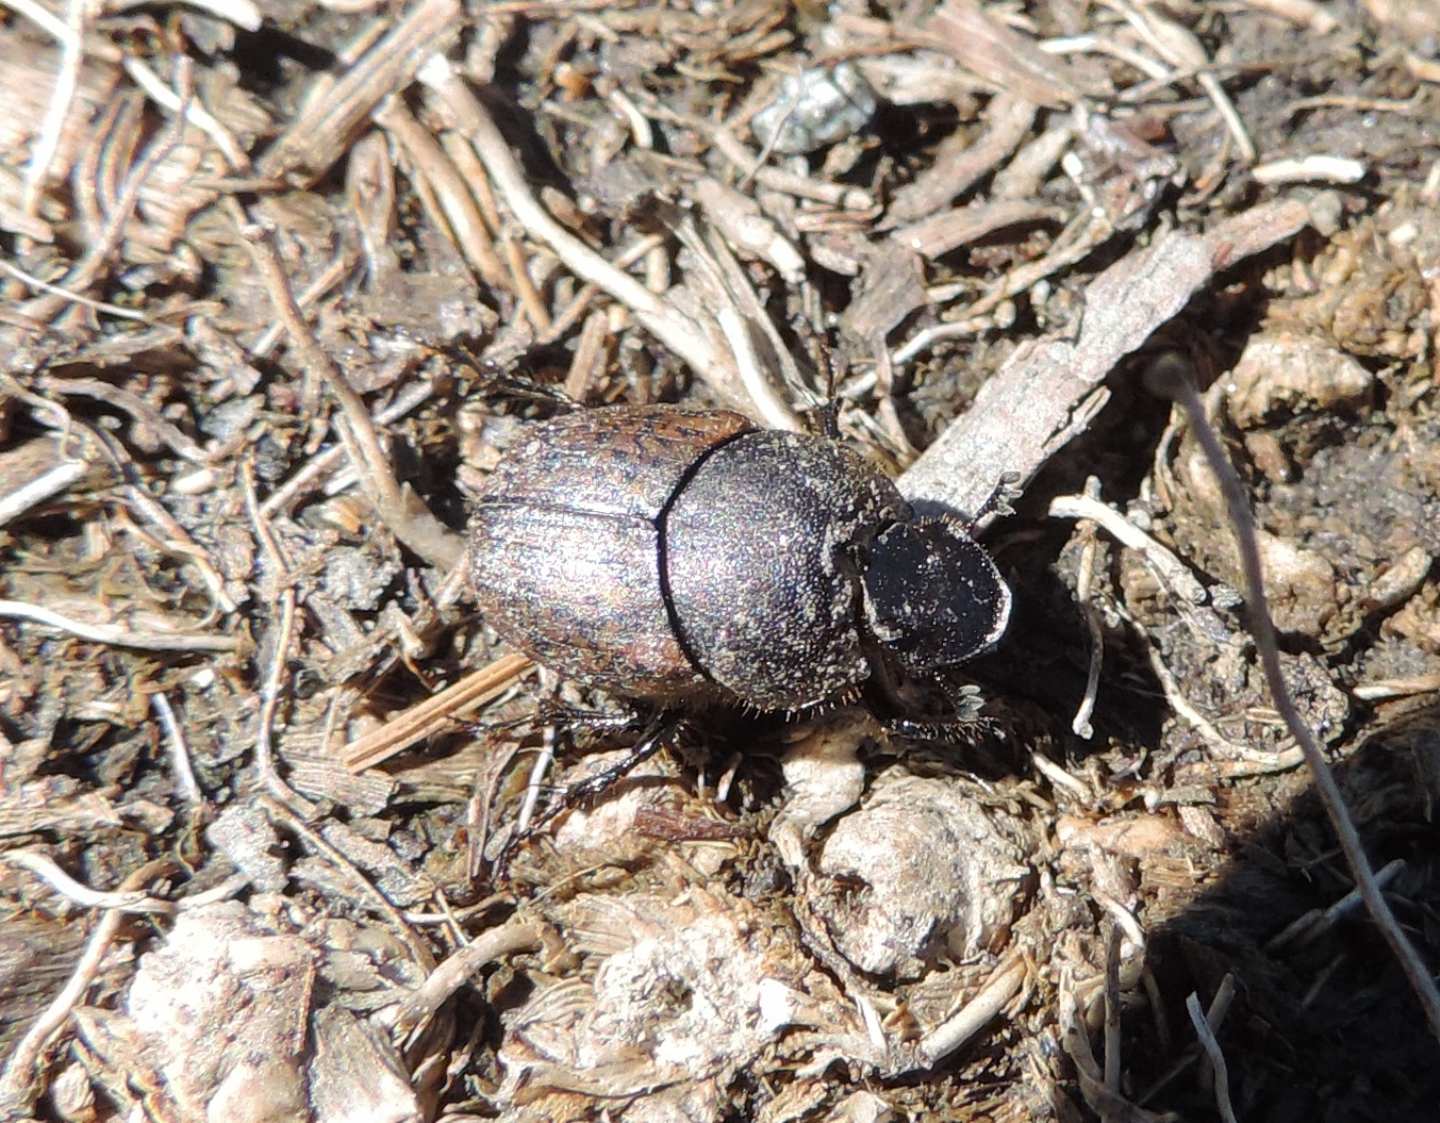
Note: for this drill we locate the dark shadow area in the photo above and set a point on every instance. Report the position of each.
(1323, 1027)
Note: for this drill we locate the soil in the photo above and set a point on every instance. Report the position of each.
(258, 365)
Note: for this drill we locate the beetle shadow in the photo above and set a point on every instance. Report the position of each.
(1042, 662)
(1324, 1028)
(1324, 1025)
(1039, 669)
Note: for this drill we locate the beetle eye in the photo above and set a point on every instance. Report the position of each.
(933, 596)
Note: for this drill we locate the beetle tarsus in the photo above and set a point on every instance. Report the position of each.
(941, 731)
(1007, 489)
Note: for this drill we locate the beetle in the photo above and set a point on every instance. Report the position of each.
(686, 557)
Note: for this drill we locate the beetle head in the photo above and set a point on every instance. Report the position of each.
(933, 597)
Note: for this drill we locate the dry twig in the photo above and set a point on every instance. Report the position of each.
(1047, 392)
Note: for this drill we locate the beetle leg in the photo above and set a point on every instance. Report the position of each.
(563, 716)
(553, 712)
(661, 727)
(823, 357)
(499, 380)
(656, 733)
(942, 731)
(1007, 489)
(964, 723)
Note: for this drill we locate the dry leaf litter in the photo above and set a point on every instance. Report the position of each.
(281, 282)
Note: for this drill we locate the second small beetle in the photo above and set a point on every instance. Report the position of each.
(685, 557)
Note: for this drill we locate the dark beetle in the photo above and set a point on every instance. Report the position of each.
(683, 556)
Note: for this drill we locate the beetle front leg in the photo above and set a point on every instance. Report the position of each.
(1007, 489)
(566, 716)
(661, 728)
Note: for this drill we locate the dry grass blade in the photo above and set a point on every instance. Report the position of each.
(435, 713)
(121, 635)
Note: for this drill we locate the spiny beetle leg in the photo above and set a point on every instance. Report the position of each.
(964, 721)
(659, 730)
(1006, 490)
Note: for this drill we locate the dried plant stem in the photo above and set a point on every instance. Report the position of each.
(67, 80)
(187, 109)
(1112, 1070)
(389, 50)
(675, 330)
(259, 239)
(47, 870)
(274, 678)
(22, 490)
(538, 768)
(434, 713)
(413, 395)
(120, 635)
(179, 748)
(1004, 984)
(401, 511)
(1218, 1068)
(422, 1003)
(242, 13)
(458, 206)
(1305, 928)
(34, 282)
(1168, 376)
(17, 1080)
(1080, 724)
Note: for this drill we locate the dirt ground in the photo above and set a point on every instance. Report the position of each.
(282, 283)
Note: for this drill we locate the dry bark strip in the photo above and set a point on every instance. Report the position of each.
(1048, 391)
